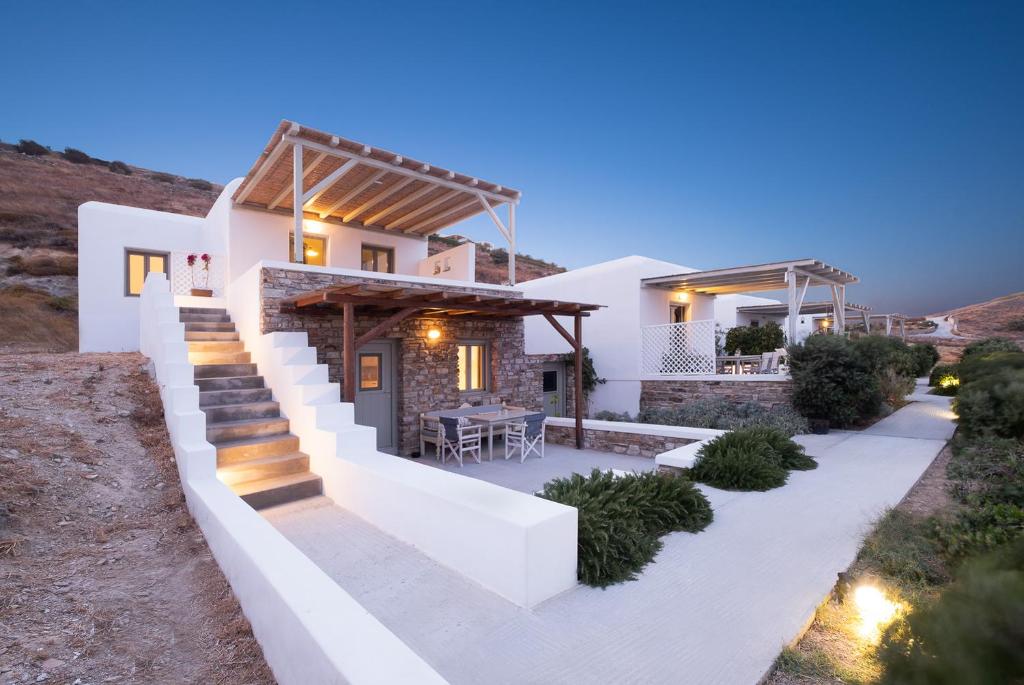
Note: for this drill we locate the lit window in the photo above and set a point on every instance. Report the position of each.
(137, 264)
(380, 259)
(369, 371)
(472, 367)
(314, 249)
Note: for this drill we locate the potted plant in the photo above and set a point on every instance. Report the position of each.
(203, 261)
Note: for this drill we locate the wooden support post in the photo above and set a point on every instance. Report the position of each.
(348, 371)
(867, 323)
(300, 252)
(579, 381)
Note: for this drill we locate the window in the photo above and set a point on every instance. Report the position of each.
(472, 367)
(677, 313)
(314, 249)
(369, 371)
(137, 264)
(380, 259)
(550, 379)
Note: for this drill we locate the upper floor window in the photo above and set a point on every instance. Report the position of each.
(472, 367)
(314, 249)
(380, 259)
(137, 264)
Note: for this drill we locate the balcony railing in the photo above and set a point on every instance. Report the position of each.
(678, 349)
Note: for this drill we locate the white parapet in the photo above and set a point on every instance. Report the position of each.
(516, 545)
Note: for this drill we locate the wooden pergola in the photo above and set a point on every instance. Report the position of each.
(337, 180)
(398, 303)
(794, 276)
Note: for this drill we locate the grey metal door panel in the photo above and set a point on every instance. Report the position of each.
(375, 392)
(553, 380)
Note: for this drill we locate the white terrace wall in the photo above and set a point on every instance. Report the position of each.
(310, 630)
(457, 263)
(518, 546)
(611, 334)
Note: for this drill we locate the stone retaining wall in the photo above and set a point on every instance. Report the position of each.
(667, 394)
(635, 444)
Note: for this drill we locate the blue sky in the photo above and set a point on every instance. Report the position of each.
(884, 138)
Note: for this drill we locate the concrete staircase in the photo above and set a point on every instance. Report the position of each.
(257, 456)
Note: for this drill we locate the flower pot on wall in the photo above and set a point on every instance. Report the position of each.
(201, 292)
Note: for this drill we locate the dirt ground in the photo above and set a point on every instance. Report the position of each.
(103, 575)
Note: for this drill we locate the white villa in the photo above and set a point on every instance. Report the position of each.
(304, 342)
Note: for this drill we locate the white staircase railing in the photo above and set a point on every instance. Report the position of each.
(678, 349)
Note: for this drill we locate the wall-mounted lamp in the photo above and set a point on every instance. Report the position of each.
(682, 297)
(433, 334)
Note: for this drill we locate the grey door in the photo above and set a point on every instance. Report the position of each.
(375, 392)
(554, 388)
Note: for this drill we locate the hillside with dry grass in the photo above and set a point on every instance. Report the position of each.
(40, 191)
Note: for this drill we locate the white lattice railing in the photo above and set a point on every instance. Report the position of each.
(181, 274)
(678, 349)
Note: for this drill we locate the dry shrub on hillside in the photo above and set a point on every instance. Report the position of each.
(32, 320)
(44, 265)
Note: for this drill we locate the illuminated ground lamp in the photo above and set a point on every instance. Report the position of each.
(949, 382)
(875, 611)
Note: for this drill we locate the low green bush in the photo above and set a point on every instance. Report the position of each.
(993, 404)
(200, 184)
(832, 382)
(120, 168)
(979, 366)
(789, 454)
(902, 547)
(988, 346)
(925, 356)
(162, 177)
(755, 339)
(943, 371)
(1015, 324)
(881, 353)
(971, 634)
(621, 519)
(987, 470)
(739, 460)
(77, 156)
(978, 529)
(31, 147)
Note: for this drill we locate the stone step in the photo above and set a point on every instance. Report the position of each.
(247, 428)
(235, 451)
(264, 468)
(226, 326)
(219, 358)
(191, 336)
(229, 383)
(224, 413)
(223, 370)
(203, 318)
(213, 398)
(260, 494)
(215, 346)
(202, 310)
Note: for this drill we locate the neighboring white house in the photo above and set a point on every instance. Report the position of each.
(613, 334)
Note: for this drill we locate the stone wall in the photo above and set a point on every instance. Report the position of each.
(635, 444)
(426, 370)
(667, 394)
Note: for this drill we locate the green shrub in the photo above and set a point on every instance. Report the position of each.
(200, 184)
(162, 177)
(979, 366)
(789, 454)
(621, 519)
(832, 382)
(942, 371)
(1015, 324)
(988, 346)
(925, 357)
(978, 529)
(993, 405)
(31, 147)
(499, 256)
(894, 387)
(987, 470)
(76, 156)
(120, 168)
(755, 339)
(739, 460)
(971, 634)
(882, 353)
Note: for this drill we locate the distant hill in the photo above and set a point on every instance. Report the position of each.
(42, 190)
(1001, 317)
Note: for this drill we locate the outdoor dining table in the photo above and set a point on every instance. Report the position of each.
(738, 360)
(491, 418)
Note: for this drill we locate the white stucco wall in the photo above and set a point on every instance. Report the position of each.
(457, 263)
(108, 320)
(612, 334)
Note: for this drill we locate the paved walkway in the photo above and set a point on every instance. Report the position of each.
(944, 328)
(715, 607)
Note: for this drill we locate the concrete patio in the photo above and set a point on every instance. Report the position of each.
(715, 607)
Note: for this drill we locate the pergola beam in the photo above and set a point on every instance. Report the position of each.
(378, 198)
(314, 193)
(425, 208)
(344, 199)
(411, 197)
(287, 190)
